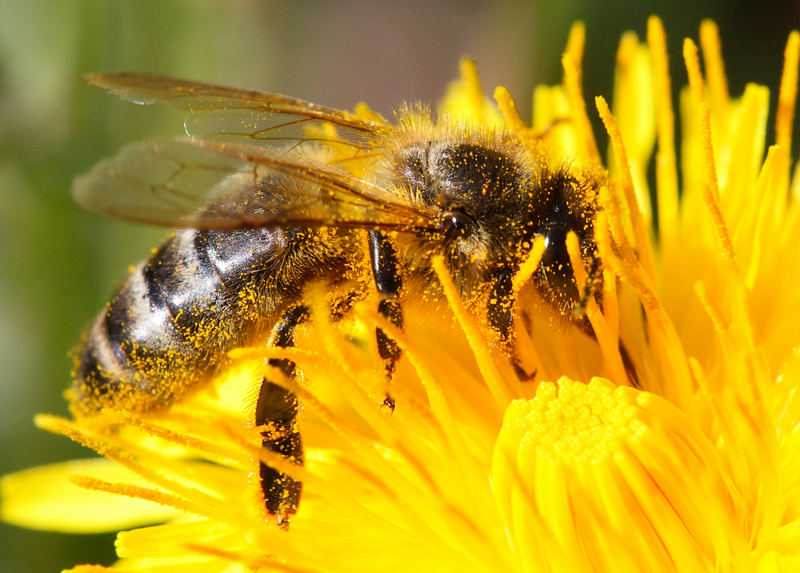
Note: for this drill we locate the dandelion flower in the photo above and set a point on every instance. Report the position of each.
(676, 450)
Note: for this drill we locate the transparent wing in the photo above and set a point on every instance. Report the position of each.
(188, 182)
(232, 114)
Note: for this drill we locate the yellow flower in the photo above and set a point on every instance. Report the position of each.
(696, 469)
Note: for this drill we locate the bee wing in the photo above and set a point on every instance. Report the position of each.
(199, 183)
(219, 112)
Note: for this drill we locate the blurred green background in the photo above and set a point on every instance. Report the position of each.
(58, 264)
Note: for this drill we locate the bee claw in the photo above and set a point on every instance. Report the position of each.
(522, 374)
(388, 402)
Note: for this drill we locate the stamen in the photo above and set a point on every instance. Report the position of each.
(788, 92)
(479, 348)
(571, 62)
(711, 188)
(149, 494)
(606, 339)
(721, 325)
(576, 41)
(787, 99)
(509, 110)
(666, 163)
(182, 439)
(640, 233)
(528, 266)
(614, 223)
(745, 152)
(634, 109)
(127, 455)
(469, 75)
(664, 340)
(770, 207)
(715, 70)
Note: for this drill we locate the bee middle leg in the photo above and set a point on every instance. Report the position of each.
(276, 411)
(500, 314)
(385, 271)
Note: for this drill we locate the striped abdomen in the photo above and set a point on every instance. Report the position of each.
(170, 324)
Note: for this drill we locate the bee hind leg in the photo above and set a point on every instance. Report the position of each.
(385, 271)
(276, 411)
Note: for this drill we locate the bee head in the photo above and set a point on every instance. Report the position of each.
(493, 202)
(472, 187)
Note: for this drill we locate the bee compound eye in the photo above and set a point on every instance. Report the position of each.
(455, 225)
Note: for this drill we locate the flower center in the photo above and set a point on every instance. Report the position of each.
(573, 422)
(586, 468)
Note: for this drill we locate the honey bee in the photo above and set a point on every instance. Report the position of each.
(270, 193)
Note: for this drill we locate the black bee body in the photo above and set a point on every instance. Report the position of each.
(201, 294)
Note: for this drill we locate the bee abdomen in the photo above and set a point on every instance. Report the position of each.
(171, 322)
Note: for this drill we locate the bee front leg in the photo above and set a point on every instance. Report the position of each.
(500, 314)
(276, 411)
(385, 271)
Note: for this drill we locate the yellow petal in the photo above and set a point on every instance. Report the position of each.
(45, 498)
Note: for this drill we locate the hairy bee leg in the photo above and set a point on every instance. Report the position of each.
(500, 313)
(593, 279)
(385, 271)
(276, 409)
